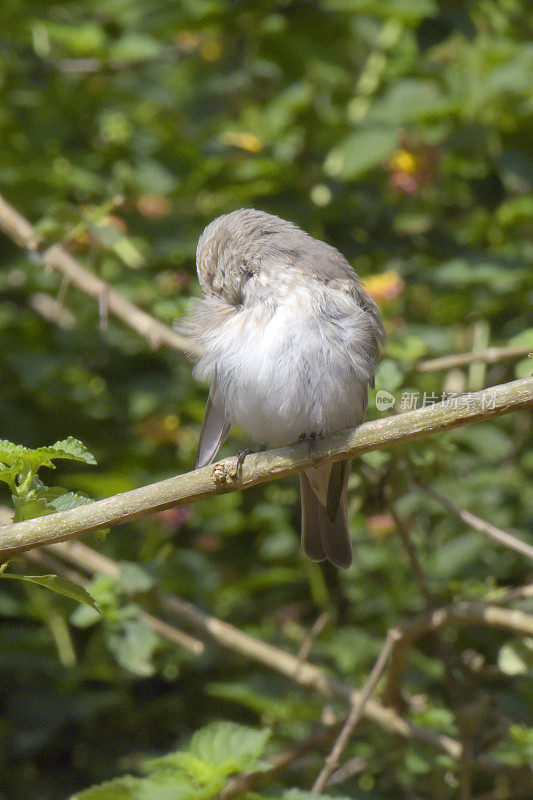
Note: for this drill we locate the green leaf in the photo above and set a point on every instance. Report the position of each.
(57, 584)
(452, 558)
(463, 272)
(135, 47)
(405, 10)
(410, 100)
(74, 449)
(133, 645)
(218, 750)
(223, 741)
(298, 794)
(135, 578)
(515, 658)
(361, 151)
(119, 789)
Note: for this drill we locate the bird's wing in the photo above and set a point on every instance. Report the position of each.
(215, 428)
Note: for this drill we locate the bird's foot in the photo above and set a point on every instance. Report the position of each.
(311, 439)
(241, 456)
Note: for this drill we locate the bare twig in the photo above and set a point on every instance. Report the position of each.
(413, 558)
(463, 613)
(304, 674)
(58, 258)
(90, 66)
(248, 781)
(308, 642)
(51, 310)
(356, 713)
(258, 468)
(442, 648)
(489, 356)
(478, 524)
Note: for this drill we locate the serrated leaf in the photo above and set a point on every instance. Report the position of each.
(70, 448)
(224, 741)
(119, 789)
(9, 452)
(195, 767)
(8, 475)
(74, 449)
(173, 786)
(57, 584)
(69, 500)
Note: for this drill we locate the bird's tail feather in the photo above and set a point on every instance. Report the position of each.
(323, 538)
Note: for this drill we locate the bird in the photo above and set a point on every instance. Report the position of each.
(289, 341)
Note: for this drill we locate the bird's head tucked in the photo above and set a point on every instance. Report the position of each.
(235, 247)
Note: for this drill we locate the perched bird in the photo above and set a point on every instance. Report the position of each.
(289, 340)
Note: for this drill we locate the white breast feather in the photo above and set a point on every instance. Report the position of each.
(290, 369)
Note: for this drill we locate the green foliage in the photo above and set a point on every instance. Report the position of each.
(56, 584)
(31, 498)
(396, 130)
(198, 773)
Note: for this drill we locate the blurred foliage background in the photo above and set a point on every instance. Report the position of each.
(397, 130)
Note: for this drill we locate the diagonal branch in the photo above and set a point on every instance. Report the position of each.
(223, 476)
(57, 257)
(304, 674)
(356, 713)
(478, 524)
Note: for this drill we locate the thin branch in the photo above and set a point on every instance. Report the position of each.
(489, 356)
(51, 310)
(478, 524)
(223, 476)
(309, 640)
(356, 713)
(413, 558)
(303, 674)
(442, 648)
(520, 593)
(90, 66)
(463, 613)
(58, 258)
(248, 781)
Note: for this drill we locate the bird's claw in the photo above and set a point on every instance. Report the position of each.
(241, 456)
(311, 439)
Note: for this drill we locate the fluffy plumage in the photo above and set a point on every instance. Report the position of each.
(289, 340)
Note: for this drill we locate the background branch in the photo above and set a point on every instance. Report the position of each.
(304, 674)
(49, 561)
(463, 613)
(478, 524)
(489, 356)
(58, 258)
(266, 466)
(356, 714)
